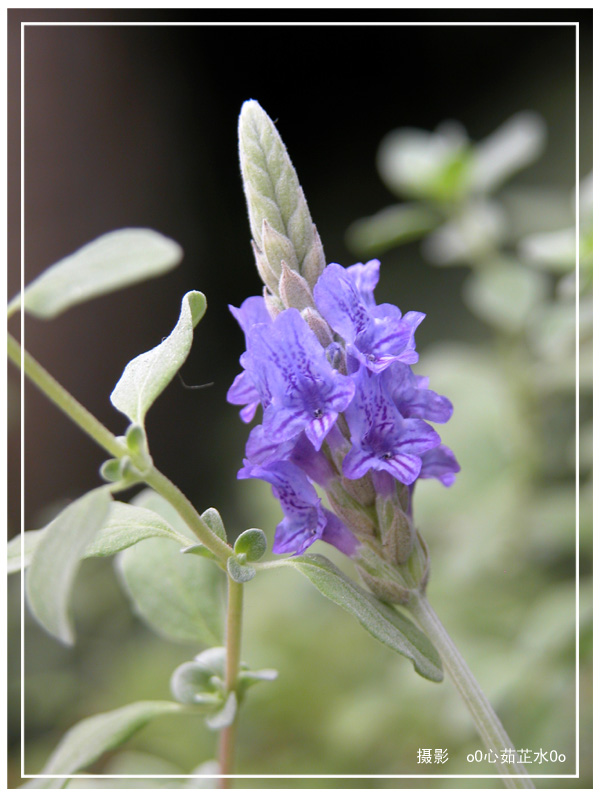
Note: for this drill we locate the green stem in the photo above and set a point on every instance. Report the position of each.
(233, 643)
(64, 400)
(96, 430)
(487, 723)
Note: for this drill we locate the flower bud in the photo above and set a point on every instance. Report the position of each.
(293, 289)
(271, 186)
(314, 261)
(268, 277)
(353, 514)
(277, 248)
(383, 589)
(361, 490)
(397, 532)
(273, 304)
(318, 326)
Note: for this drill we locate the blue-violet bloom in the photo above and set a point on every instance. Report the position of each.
(304, 520)
(376, 335)
(288, 363)
(381, 438)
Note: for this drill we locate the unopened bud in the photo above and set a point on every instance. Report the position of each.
(294, 290)
(383, 589)
(268, 277)
(361, 490)
(318, 326)
(273, 304)
(314, 261)
(397, 532)
(277, 248)
(353, 514)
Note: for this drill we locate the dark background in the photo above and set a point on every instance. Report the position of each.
(137, 126)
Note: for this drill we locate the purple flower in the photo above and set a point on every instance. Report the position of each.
(365, 278)
(262, 451)
(304, 520)
(412, 397)
(440, 463)
(381, 438)
(300, 389)
(377, 335)
(243, 391)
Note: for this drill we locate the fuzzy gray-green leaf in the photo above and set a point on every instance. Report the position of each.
(252, 543)
(382, 621)
(126, 525)
(146, 376)
(27, 542)
(179, 597)
(56, 559)
(90, 738)
(110, 262)
(238, 572)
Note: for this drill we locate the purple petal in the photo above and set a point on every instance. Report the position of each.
(252, 312)
(262, 450)
(338, 535)
(365, 278)
(242, 392)
(339, 302)
(358, 462)
(440, 463)
(404, 467)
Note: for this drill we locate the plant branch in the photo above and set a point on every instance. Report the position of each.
(88, 423)
(233, 643)
(486, 721)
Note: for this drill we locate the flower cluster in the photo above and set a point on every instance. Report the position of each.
(342, 410)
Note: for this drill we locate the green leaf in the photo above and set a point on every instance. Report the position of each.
(110, 262)
(192, 684)
(126, 525)
(515, 144)
(179, 597)
(90, 738)
(240, 573)
(391, 227)
(212, 518)
(31, 540)
(504, 294)
(56, 559)
(224, 717)
(148, 374)
(383, 622)
(153, 501)
(249, 677)
(251, 543)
